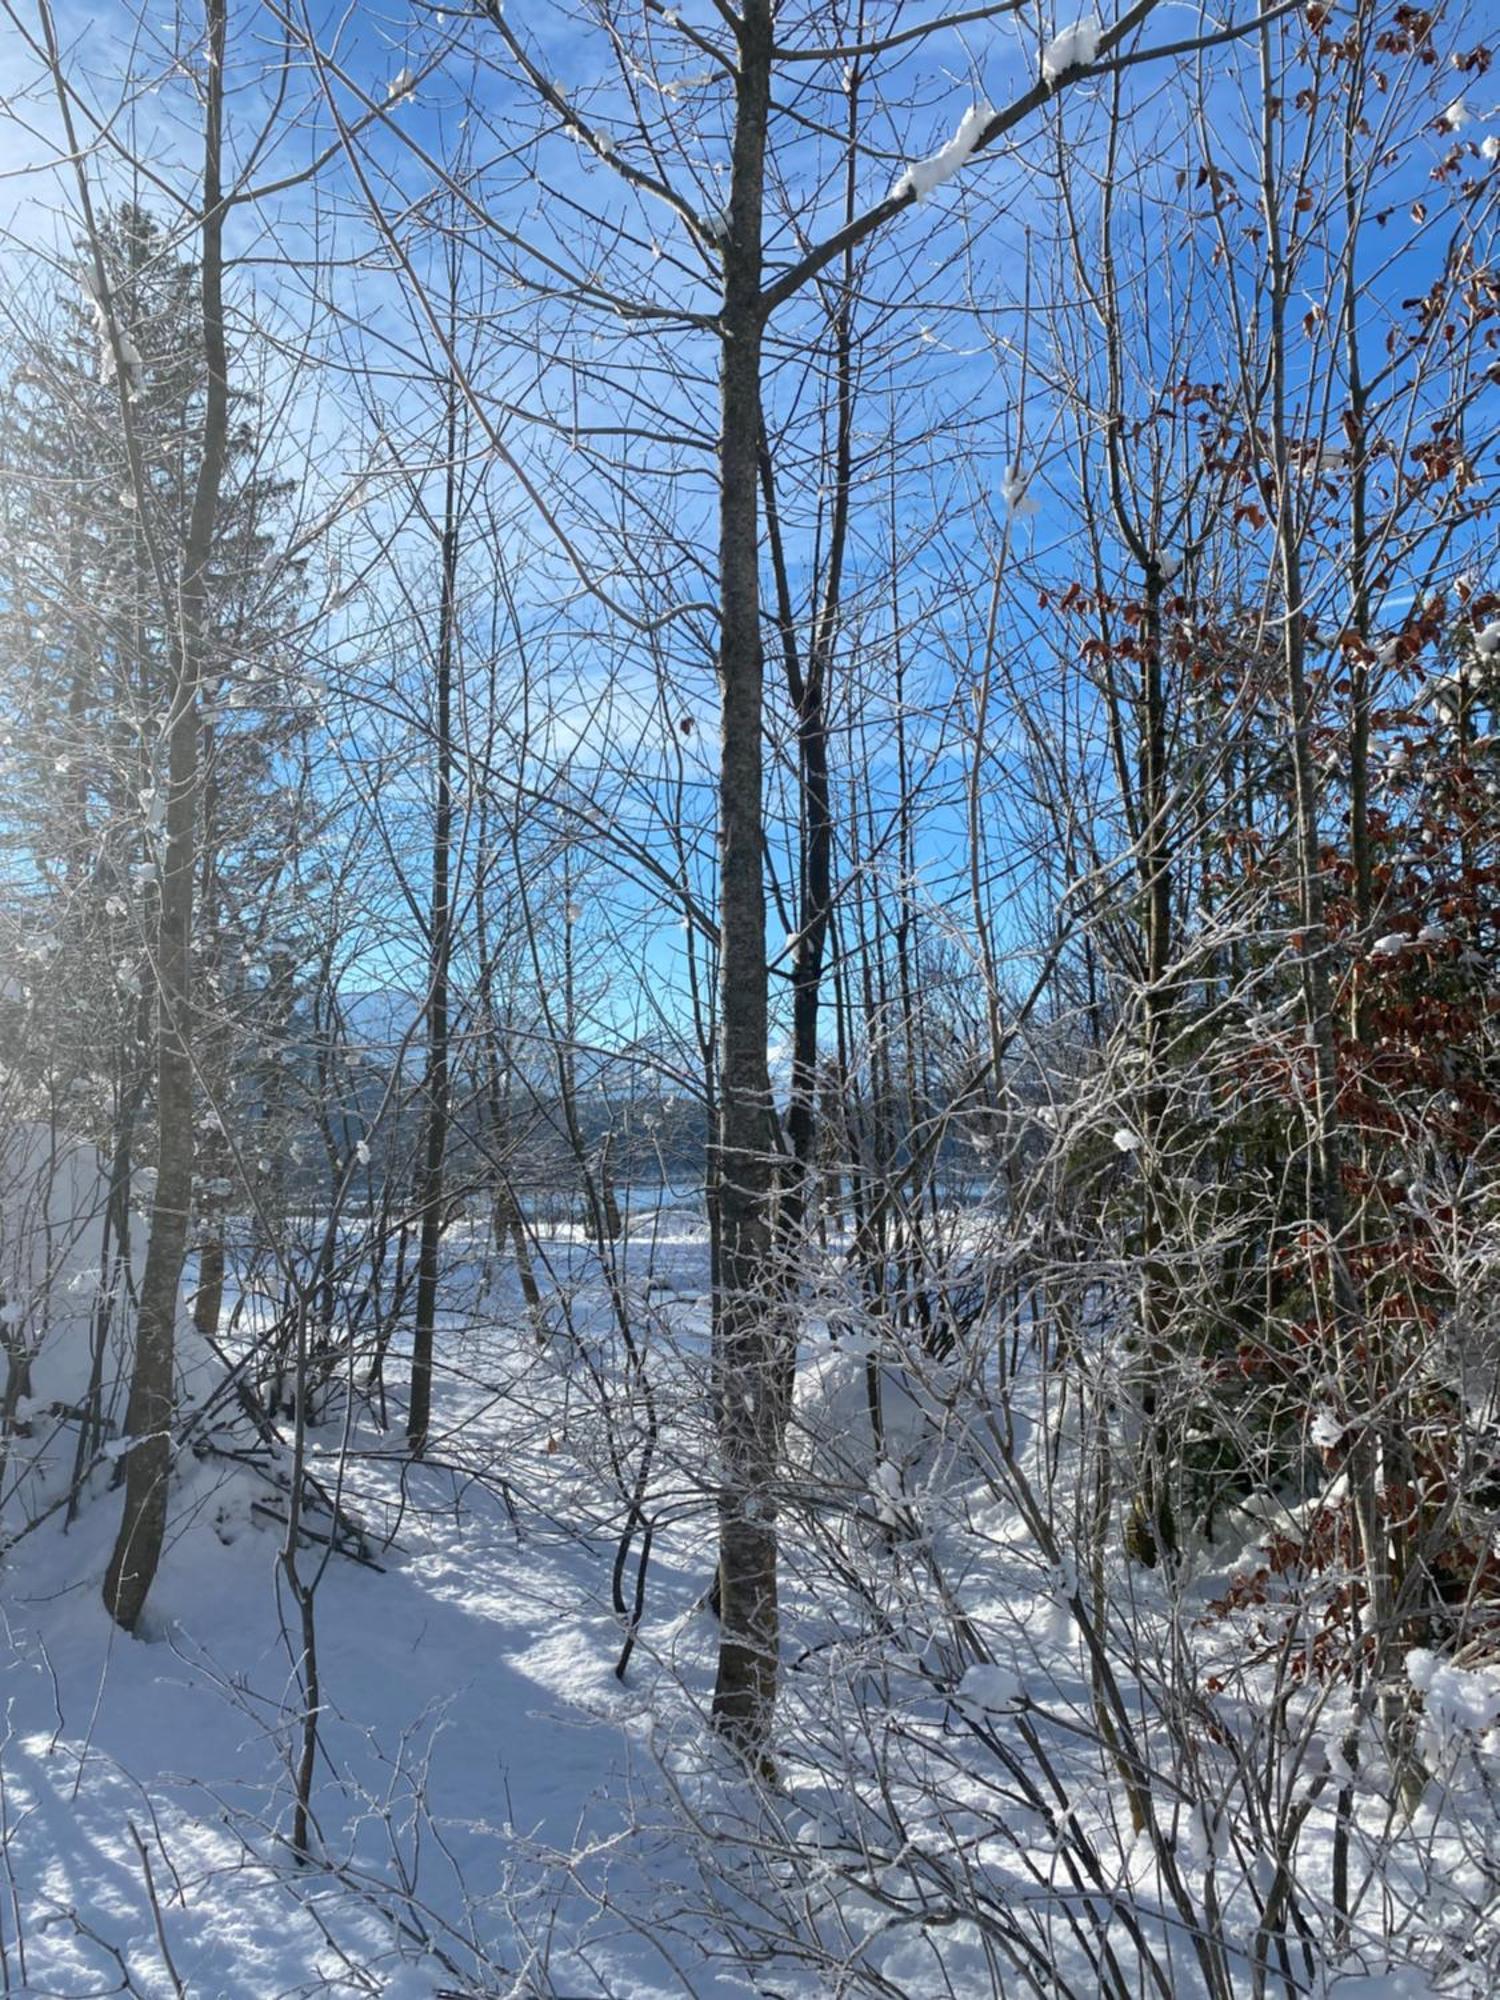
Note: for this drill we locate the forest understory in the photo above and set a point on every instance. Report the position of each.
(978, 1686)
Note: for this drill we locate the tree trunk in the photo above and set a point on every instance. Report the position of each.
(748, 1332)
(1151, 1530)
(209, 1302)
(505, 1208)
(148, 1421)
(419, 1407)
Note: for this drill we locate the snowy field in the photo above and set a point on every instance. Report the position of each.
(496, 1812)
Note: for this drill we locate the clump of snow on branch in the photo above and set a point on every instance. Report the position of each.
(1446, 693)
(887, 1493)
(1013, 491)
(1073, 48)
(919, 179)
(990, 1690)
(1325, 1430)
(592, 141)
(129, 353)
(1457, 1702)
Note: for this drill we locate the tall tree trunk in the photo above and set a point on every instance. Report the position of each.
(419, 1407)
(1151, 1530)
(748, 1331)
(148, 1464)
(215, 1160)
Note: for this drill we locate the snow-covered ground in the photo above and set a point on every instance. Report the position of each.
(482, 1771)
(496, 1812)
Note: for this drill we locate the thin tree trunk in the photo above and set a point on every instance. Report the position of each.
(419, 1407)
(209, 1302)
(1151, 1530)
(505, 1206)
(809, 695)
(215, 1160)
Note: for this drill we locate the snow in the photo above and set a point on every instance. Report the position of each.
(1390, 946)
(1127, 1141)
(1398, 1982)
(486, 1774)
(1446, 693)
(1325, 1430)
(53, 1196)
(52, 1200)
(1073, 48)
(990, 1690)
(832, 1437)
(499, 1813)
(1455, 1700)
(1487, 639)
(513, 1740)
(886, 1491)
(129, 353)
(1013, 491)
(923, 176)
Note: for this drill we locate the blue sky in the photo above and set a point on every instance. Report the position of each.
(946, 359)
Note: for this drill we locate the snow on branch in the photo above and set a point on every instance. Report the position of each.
(1074, 48)
(129, 353)
(1013, 492)
(919, 179)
